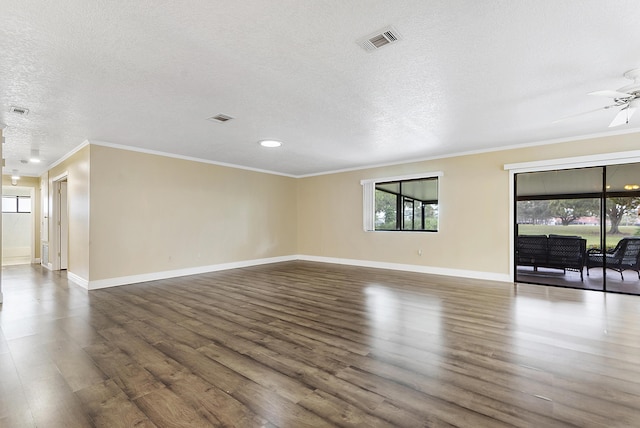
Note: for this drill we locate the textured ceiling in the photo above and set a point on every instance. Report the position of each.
(466, 76)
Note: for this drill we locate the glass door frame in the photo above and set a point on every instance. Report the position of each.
(600, 195)
(602, 158)
(610, 187)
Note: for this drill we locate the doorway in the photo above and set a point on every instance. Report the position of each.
(60, 211)
(579, 228)
(17, 225)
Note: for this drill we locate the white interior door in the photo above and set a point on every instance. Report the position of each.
(63, 226)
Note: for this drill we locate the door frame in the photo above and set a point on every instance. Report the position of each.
(605, 159)
(54, 238)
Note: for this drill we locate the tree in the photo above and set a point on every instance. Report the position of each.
(533, 212)
(617, 208)
(569, 210)
(386, 210)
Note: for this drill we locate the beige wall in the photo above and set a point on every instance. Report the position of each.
(474, 210)
(153, 213)
(76, 167)
(33, 182)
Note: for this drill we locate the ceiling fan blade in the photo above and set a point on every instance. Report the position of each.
(583, 113)
(622, 117)
(610, 94)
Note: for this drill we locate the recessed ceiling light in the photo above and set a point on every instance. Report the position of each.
(35, 156)
(270, 143)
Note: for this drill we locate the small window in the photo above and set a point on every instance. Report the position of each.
(16, 204)
(400, 204)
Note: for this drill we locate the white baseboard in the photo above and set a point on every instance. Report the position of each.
(12, 261)
(78, 280)
(153, 276)
(489, 276)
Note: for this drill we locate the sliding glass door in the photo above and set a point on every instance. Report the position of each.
(558, 219)
(622, 234)
(579, 228)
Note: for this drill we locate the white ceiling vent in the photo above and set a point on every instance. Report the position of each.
(220, 118)
(380, 38)
(19, 110)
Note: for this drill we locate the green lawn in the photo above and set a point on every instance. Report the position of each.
(590, 233)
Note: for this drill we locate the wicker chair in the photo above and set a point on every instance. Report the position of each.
(626, 255)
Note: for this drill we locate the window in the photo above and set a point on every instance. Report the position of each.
(401, 203)
(16, 204)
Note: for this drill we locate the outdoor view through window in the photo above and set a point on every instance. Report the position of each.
(580, 228)
(407, 205)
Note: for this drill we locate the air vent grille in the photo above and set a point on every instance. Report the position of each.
(380, 38)
(19, 110)
(220, 118)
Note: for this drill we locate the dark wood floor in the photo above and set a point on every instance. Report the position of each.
(302, 344)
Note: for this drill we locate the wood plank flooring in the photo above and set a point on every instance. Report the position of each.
(302, 344)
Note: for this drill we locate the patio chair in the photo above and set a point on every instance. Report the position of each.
(626, 255)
